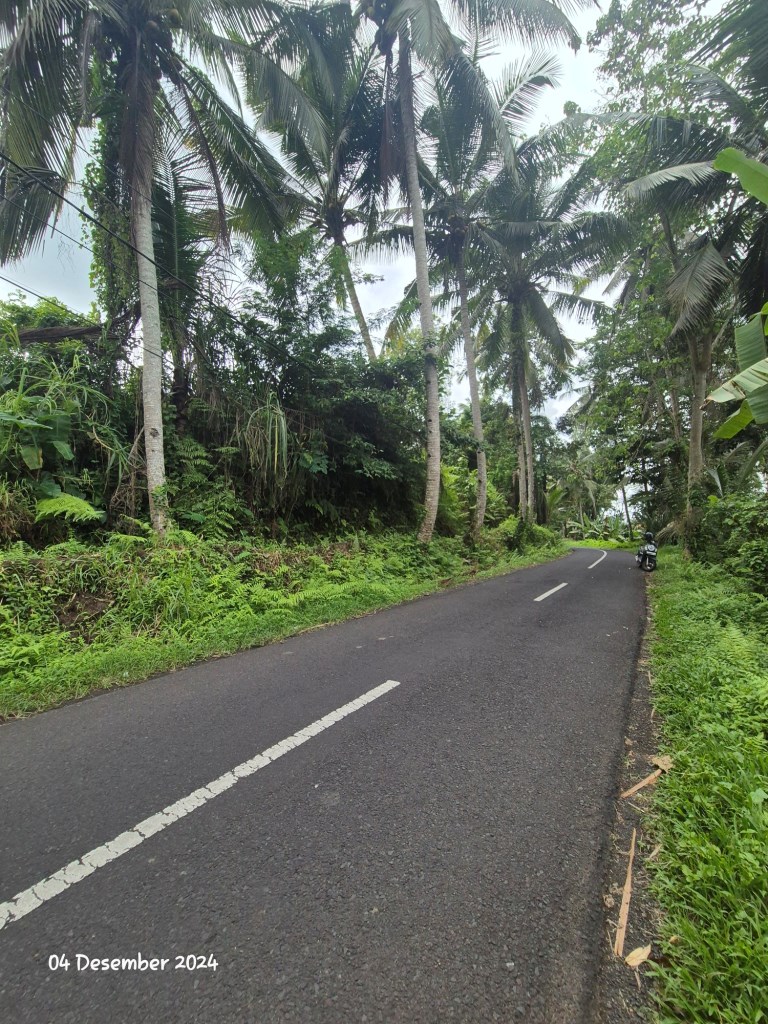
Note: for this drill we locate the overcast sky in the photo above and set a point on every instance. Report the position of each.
(61, 269)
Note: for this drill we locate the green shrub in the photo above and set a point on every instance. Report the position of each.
(522, 535)
(733, 531)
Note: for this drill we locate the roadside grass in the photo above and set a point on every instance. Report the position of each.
(709, 655)
(74, 618)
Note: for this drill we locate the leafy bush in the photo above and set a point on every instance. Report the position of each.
(522, 535)
(732, 531)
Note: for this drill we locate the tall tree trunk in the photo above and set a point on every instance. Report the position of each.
(525, 415)
(674, 404)
(181, 377)
(626, 511)
(355, 301)
(522, 477)
(474, 399)
(432, 491)
(152, 372)
(701, 360)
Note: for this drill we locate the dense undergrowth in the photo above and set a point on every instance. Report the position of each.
(710, 666)
(74, 616)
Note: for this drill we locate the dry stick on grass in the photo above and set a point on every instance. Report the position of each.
(647, 781)
(621, 931)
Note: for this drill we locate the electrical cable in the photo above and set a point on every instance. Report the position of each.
(158, 266)
(113, 169)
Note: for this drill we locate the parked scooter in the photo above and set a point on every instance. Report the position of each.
(646, 555)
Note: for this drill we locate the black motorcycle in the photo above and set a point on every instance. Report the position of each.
(646, 556)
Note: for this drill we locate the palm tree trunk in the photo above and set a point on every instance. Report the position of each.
(522, 477)
(525, 412)
(474, 399)
(626, 510)
(152, 372)
(701, 359)
(432, 491)
(525, 415)
(355, 301)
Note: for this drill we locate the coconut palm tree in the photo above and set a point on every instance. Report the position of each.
(65, 62)
(340, 180)
(465, 161)
(420, 32)
(546, 248)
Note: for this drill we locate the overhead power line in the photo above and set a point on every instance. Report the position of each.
(158, 266)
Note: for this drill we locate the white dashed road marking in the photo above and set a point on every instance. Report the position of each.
(599, 560)
(25, 902)
(549, 593)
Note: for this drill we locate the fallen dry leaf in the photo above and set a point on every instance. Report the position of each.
(654, 852)
(673, 940)
(647, 781)
(621, 931)
(663, 761)
(609, 901)
(637, 956)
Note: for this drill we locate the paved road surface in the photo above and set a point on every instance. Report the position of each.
(434, 855)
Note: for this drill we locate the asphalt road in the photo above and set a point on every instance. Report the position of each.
(435, 855)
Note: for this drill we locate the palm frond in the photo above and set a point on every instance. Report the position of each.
(253, 179)
(521, 86)
(30, 207)
(698, 287)
(584, 310)
(523, 20)
(694, 175)
(559, 347)
(713, 88)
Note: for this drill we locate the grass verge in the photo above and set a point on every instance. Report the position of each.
(709, 658)
(75, 618)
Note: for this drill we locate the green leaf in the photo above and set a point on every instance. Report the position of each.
(752, 382)
(743, 385)
(32, 455)
(750, 349)
(21, 421)
(736, 422)
(64, 450)
(751, 173)
(46, 487)
(750, 342)
(69, 507)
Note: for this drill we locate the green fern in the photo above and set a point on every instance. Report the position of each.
(75, 510)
